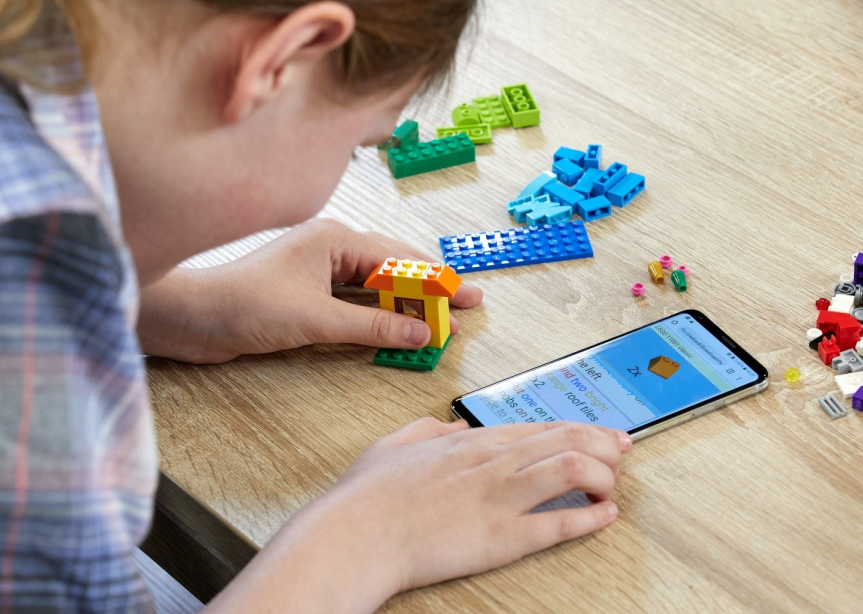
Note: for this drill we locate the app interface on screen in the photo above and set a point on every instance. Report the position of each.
(629, 382)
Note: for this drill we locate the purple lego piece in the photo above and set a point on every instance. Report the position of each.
(858, 269)
(857, 399)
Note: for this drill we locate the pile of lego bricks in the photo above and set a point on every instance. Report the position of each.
(837, 339)
(576, 185)
(455, 145)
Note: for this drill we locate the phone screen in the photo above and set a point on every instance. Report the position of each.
(627, 383)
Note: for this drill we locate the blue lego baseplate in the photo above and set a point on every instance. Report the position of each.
(501, 249)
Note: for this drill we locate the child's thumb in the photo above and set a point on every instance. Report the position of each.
(349, 323)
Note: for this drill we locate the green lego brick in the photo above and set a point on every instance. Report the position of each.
(520, 106)
(465, 115)
(431, 156)
(491, 112)
(406, 135)
(479, 134)
(425, 359)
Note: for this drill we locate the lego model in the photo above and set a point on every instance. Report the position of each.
(663, 366)
(832, 407)
(501, 249)
(419, 290)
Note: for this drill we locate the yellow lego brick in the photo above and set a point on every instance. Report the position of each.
(437, 317)
(388, 300)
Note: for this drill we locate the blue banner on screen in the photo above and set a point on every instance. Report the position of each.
(626, 383)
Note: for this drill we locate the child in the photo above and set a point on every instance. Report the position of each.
(216, 119)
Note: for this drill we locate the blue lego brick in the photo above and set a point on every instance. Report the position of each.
(535, 187)
(501, 249)
(585, 184)
(594, 208)
(573, 155)
(608, 178)
(567, 171)
(593, 157)
(562, 194)
(521, 207)
(626, 190)
(552, 215)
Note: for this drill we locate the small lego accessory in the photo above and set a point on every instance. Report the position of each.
(812, 334)
(594, 208)
(684, 269)
(466, 115)
(849, 383)
(567, 171)
(491, 112)
(626, 190)
(638, 289)
(655, 270)
(663, 366)
(847, 278)
(536, 187)
(666, 261)
(501, 249)
(842, 303)
(857, 399)
(593, 158)
(679, 281)
(434, 155)
(848, 289)
(847, 362)
(573, 155)
(520, 105)
(822, 304)
(480, 134)
(792, 375)
(828, 350)
(833, 407)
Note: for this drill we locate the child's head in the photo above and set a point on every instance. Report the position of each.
(224, 117)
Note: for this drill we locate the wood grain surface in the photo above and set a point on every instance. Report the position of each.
(745, 117)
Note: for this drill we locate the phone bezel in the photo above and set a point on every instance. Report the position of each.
(460, 410)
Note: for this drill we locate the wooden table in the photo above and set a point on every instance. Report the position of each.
(745, 118)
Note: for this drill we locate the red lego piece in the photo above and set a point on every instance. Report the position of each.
(822, 304)
(827, 351)
(844, 326)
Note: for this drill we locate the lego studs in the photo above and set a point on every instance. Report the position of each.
(665, 261)
(655, 270)
(638, 289)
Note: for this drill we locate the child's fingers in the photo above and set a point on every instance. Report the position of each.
(466, 297)
(558, 475)
(601, 444)
(422, 430)
(342, 322)
(547, 529)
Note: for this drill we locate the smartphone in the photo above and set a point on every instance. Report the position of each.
(642, 382)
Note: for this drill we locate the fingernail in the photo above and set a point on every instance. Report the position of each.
(612, 510)
(416, 333)
(625, 440)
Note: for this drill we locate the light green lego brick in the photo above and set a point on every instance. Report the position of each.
(479, 134)
(465, 115)
(425, 359)
(520, 106)
(431, 156)
(491, 112)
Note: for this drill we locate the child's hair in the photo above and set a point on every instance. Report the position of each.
(394, 39)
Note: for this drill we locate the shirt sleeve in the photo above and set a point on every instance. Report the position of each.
(77, 456)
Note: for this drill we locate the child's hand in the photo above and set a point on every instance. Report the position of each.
(280, 297)
(435, 501)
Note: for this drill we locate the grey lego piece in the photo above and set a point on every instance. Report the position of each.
(858, 314)
(833, 407)
(858, 296)
(848, 289)
(848, 362)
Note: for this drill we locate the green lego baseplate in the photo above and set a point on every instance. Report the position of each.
(424, 359)
(480, 134)
(431, 156)
(491, 112)
(520, 105)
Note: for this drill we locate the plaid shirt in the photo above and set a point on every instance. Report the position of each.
(78, 464)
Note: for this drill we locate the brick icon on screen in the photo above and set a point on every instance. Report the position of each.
(663, 366)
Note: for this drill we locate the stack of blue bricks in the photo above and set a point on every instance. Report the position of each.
(576, 185)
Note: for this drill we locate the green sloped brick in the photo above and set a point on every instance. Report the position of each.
(491, 112)
(520, 105)
(431, 156)
(465, 115)
(407, 134)
(479, 134)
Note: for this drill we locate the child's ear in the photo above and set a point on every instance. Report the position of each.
(308, 33)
